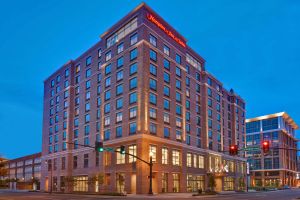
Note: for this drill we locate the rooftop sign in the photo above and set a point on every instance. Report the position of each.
(152, 19)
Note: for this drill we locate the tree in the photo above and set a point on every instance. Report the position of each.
(3, 172)
(211, 182)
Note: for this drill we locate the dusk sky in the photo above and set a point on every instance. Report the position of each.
(250, 46)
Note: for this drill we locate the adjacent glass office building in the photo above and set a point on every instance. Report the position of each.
(278, 167)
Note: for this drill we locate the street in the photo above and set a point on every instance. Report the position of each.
(273, 195)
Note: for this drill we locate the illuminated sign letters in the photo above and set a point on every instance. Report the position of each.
(152, 19)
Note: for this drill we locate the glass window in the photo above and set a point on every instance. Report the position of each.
(120, 62)
(108, 69)
(166, 104)
(152, 40)
(152, 128)
(108, 56)
(166, 132)
(176, 157)
(133, 39)
(119, 131)
(133, 151)
(153, 69)
(152, 113)
(120, 157)
(133, 54)
(132, 112)
(178, 59)
(152, 152)
(166, 64)
(166, 77)
(189, 160)
(166, 50)
(119, 103)
(133, 68)
(152, 84)
(133, 83)
(120, 48)
(178, 71)
(132, 128)
(166, 91)
(153, 55)
(132, 98)
(121, 33)
(152, 98)
(119, 75)
(119, 89)
(164, 156)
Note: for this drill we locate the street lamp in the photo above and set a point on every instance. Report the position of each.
(150, 164)
(46, 162)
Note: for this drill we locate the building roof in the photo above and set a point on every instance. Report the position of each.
(284, 115)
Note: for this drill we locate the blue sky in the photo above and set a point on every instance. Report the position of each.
(251, 45)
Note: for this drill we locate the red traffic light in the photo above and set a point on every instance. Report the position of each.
(233, 150)
(266, 146)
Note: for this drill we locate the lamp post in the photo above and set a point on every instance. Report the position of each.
(50, 175)
(151, 175)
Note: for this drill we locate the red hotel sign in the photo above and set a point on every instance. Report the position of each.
(163, 28)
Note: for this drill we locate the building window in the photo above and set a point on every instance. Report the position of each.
(153, 70)
(119, 117)
(166, 118)
(152, 128)
(152, 113)
(133, 39)
(164, 178)
(133, 151)
(176, 182)
(119, 103)
(132, 128)
(107, 134)
(166, 50)
(178, 59)
(120, 48)
(119, 75)
(132, 98)
(178, 71)
(176, 157)
(166, 91)
(164, 155)
(108, 69)
(166, 64)
(152, 40)
(132, 112)
(153, 55)
(133, 83)
(201, 161)
(166, 77)
(189, 160)
(120, 62)
(166, 104)
(166, 132)
(133, 54)
(152, 98)
(152, 152)
(120, 157)
(119, 89)
(121, 33)
(133, 69)
(119, 131)
(108, 56)
(152, 84)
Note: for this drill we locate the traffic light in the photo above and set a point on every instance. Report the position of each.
(266, 146)
(233, 150)
(99, 146)
(122, 149)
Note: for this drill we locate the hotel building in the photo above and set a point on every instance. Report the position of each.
(278, 167)
(143, 87)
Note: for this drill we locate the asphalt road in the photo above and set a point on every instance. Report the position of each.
(274, 195)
